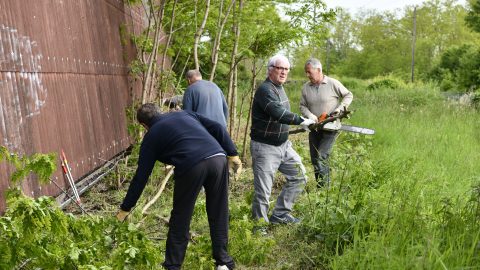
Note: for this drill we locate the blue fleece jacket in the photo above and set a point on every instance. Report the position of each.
(182, 139)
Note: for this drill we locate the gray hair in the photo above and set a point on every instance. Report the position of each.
(147, 112)
(276, 58)
(193, 73)
(314, 62)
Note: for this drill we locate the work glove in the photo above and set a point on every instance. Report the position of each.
(122, 215)
(336, 112)
(313, 117)
(307, 122)
(235, 164)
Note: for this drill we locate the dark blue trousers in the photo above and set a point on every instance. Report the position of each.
(321, 144)
(212, 174)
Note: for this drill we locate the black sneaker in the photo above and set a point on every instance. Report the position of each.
(285, 219)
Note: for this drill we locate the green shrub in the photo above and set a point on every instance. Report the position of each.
(476, 99)
(386, 82)
(459, 68)
(448, 82)
(36, 233)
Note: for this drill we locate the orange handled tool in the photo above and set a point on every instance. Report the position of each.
(322, 117)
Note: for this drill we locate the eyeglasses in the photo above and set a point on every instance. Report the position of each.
(281, 68)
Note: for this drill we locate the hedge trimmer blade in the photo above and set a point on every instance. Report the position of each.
(333, 123)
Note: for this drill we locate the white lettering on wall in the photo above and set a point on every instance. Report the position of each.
(22, 94)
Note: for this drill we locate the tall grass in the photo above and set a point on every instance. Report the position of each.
(408, 197)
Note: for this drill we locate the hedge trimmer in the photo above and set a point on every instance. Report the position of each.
(332, 123)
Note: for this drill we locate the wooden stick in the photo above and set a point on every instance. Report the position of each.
(162, 187)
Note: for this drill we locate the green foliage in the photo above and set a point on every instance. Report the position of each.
(374, 43)
(135, 130)
(43, 165)
(343, 212)
(143, 42)
(386, 82)
(459, 69)
(476, 99)
(473, 17)
(36, 232)
(137, 68)
(246, 247)
(243, 239)
(309, 19)
(423, 214)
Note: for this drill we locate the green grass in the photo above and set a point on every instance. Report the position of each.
(406, 198)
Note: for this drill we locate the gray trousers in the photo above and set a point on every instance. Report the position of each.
(266, 160)
(321, 144)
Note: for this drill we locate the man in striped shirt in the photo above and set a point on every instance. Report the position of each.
(270, 148)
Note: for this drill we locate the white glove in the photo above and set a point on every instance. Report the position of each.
(336, 112)
(313, 118)
(306, 123)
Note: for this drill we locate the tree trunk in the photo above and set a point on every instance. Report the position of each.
(153, 60)
(232, 95)
(183, 71)
(253, 87)
(218, 38)
(150, 74)
(198, 34)
(170, 34)
(240, 113)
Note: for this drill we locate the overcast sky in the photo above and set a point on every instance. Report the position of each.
(381, 5)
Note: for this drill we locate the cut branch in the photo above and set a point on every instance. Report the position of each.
(162, 187)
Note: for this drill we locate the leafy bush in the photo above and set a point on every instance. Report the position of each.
(43, 165)
(386, 82)
(459, 68)
(448, 82)
(476, 99)
(37, 234)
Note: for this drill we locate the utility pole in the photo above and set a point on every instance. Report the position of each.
(326, 57)
(414, 33)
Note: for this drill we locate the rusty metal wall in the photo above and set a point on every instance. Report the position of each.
(64, 83)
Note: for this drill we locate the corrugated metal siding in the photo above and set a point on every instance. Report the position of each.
(64, 82)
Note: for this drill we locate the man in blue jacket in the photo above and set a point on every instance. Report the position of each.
(197, 147)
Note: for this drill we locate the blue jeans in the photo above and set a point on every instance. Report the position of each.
(321, 144)
(266, 160)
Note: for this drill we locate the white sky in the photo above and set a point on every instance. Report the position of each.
(381, 5)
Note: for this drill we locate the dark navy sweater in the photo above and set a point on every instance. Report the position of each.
(182, 139)
(271, 115)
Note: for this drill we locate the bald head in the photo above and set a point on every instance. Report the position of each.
(193, 75)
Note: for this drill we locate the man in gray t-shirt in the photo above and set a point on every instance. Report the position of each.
(205, 98)
(321, 95)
